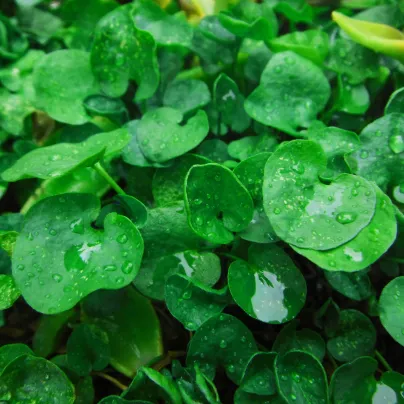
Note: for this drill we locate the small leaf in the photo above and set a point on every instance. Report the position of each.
(62, 81)
(306, 212)
(378, 37)
(351, 99)
(192, 303)
(354, 337)
(161, 137)
(269, 287)
(63, 158)
(35, 372)
(291, 93)
(217, 203)
(249, 146)
(59, 260)
(301, 378)
(392, 309)
(7, 241)
(222, 341)
(9, 292)
(149, 384)
(10, 352)
(87, 349)
(132, 326)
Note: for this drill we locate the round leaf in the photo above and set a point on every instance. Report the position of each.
(391, 306)
(306, 212)
(161, 137)
(43, 382)
(365, 248)
(301, 378)
(354, 337)
(269, 287)
(63, 80)
(217, 203)
(59, 258)
(291, 93)
(191, 302)
(10, 352)
(222, 341)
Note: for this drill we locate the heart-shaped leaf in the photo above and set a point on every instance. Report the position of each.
(365, 248)
(59, 259)
(354, 337)
(127, 53)
(63, 158)
(391, 308)
(303, 340)
(301, 378)
(9, 292)
(62, 81)
(161, 137)
(222, 341)
(217, 203)
(250, 173)
(10, 352)
(306, 212)
(168, 183)
(291, 93)
(132, 326)
(269, 287)
(186, 96)
(34, 371)
(380, 159)
(87, 349)
(191, 302)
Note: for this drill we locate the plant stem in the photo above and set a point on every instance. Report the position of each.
(101, 171)
(114, 381)
(383, 361)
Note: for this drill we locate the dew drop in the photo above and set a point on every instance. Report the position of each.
(52, 232)
(110, 268)
(127, 267)
(364, 154)
(218, 177)
(231, 368)
(197, 201)
(223, 344)
(345, 217)
(119, 280)
(187, 294)
(20, 267)
(57, 278)
(199, 220)
(396, 144)
(277, 211)
(122, 239)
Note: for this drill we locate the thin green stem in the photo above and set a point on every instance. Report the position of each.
(101, 171)
(383, 361)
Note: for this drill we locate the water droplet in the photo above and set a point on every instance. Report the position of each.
(218, 177)
(199, 220)
(300, 239)
(197, 201)
(354, 192)
(364, 154)
(298, 168)
(231, 368)
(332, 264)
(293, 397)
(55, 157)
(122, 239)
(345, 217)
(57, 278)
(223, 344)
(30, 236)
(77, 226)
(20, 267)
(190, 325)
(396, 144)
(145, 142)
(243, 339)
(278, 69)
(187, 294)
(284, 377)
(277, 211)
(119, 280)
(296, 377)
(110, 268)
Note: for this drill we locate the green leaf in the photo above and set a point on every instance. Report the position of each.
(392, 308)
(306, 212)
(295, 10)
(161, 137)
(365, 248)
(112, 108)
(311, 44)
(149, 384)
(192, 303)
(291, 93)
(10, 352)
(35, 372)
(214, 149)
(222, 341)
(303, 340)
(354, 337)
(390, 387)
(9, 292)
(269, 287)
(119, 400)
(49, 332)
(168, 183)
(354, 382)
(7, 241)
(122, 52)
(217, 203)
(132, 326)
(87, 349)
(63, 158)
(53, 79)
(203, 267)
(250, 173)
(395, 102)
(186, 96)
(229, 103)
(301, 378)
(249, 146)
(351, 99)
(60, 259)
(380, 157)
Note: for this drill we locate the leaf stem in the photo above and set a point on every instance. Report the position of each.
(114, 381)
(383, 361)
(101, 171)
